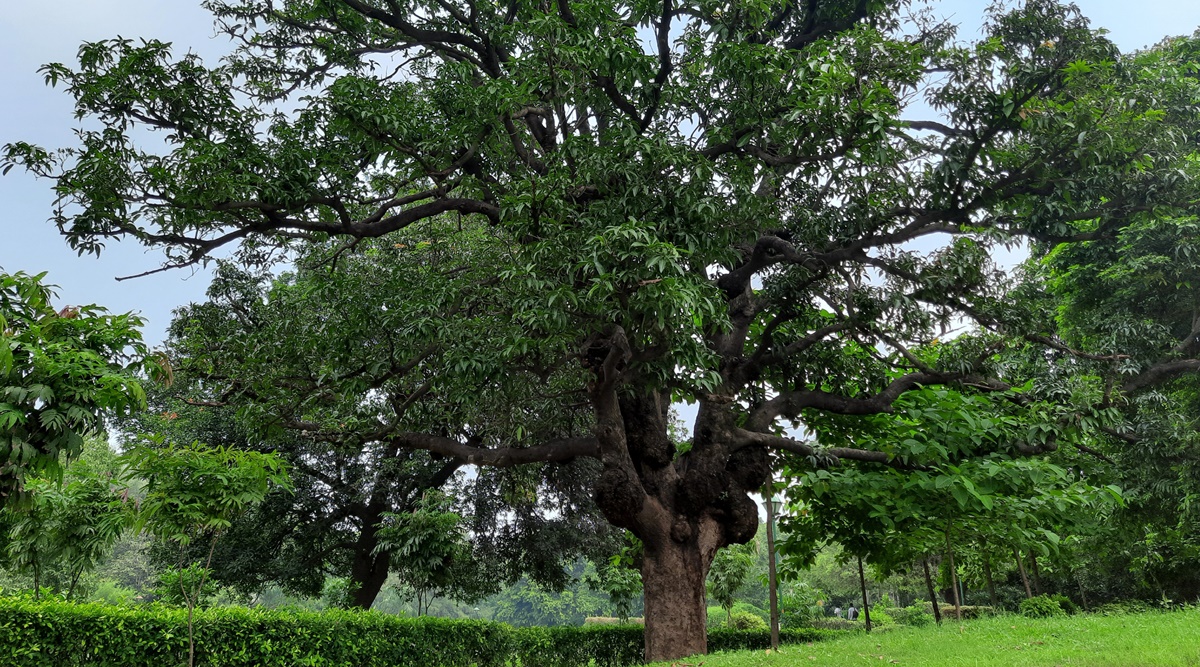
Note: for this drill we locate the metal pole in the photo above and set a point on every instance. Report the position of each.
(773, 581)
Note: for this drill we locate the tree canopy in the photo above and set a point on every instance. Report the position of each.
(62, 371)
(244, 375)
(718, 203)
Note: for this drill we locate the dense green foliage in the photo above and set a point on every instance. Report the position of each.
(244, 378)
(601, 207)
(1041, 606)
(62, 371)
(728, 574)
(70, 526)
(78, 635)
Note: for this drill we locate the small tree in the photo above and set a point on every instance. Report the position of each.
(66, 528)
(431, 555)
(730, 569)
(31, 540)
(92, 515)
(619, 578)
(195, 493)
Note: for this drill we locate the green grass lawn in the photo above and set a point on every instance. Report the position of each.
(1097, 641)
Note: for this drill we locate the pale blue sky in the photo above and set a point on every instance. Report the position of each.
(35, 33)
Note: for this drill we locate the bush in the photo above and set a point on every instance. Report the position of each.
(836, 624)
(1121, 607)
(110, 592)
(726, 639)
(968, 611)
(801, 605)
(1041, 606)
(746, 621)
(1065, 603)
(34, 634)
(747, 608)
(564, 646)
(879, 616)
(613, 620)
(913, 615)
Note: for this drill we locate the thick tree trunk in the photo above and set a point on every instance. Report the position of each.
(369, 570)
(682, 507)
(367, 576)
(673, 575)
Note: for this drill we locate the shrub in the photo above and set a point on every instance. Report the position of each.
(747, 608)
(913, 615)
(726, 639)
(801, 605)
(613, 620)
(746, 621)
(1065, 603)
(879, 616)
(38, 634)
(560, 646)
(1121, 607)
(110, 592)
(836, 624)
(1041, 606)
(716, 617)
(968, 611)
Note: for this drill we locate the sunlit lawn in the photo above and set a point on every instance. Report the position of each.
(1116, 641)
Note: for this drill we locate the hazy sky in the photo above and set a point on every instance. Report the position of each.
(34, 33)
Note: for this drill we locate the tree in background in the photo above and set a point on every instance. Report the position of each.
(67, 527)
(62, 371)
(729, 572)
(433, 556)
(244, 377)
(962, 482)
(691, 202)
(620, 579)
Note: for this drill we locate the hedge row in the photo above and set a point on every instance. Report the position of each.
(56, 634)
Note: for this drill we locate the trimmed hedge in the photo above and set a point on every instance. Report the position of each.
(725, 639)
(59, 634)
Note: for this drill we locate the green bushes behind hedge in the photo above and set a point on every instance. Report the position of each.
(57, 634)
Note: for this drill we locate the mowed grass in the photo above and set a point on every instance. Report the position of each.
(1135, 640)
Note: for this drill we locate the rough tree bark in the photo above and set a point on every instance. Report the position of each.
(676, 614)
(368, 570)
(682, 508)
